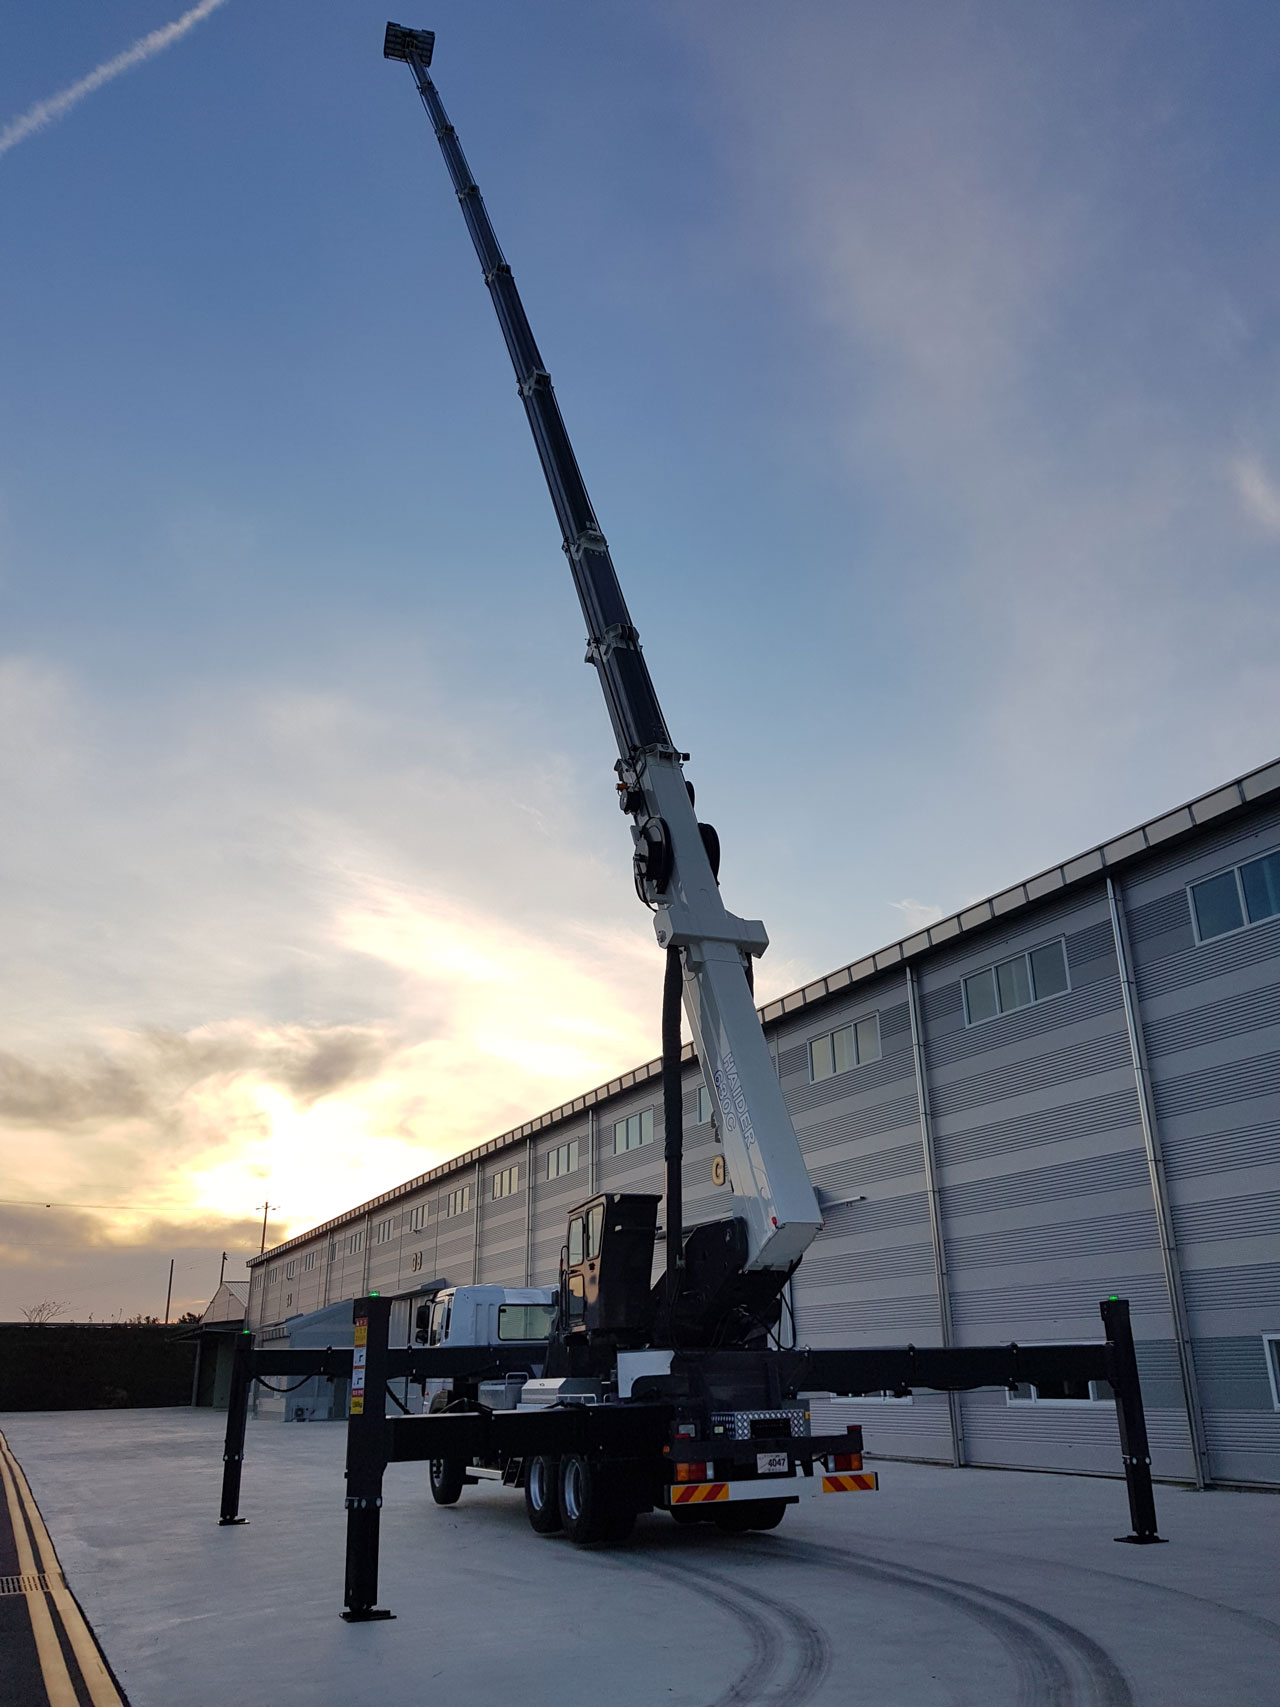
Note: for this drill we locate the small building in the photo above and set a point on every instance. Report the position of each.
(221, 1323)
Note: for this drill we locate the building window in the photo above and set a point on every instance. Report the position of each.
(1245, 895)
(563, 1159)
(1271, 1346)
(355, 1243)
(417, 1218)
(631, 1133)
(290, 1269)
(706, 1108)
(333, 1250)
(506, 1183)
(850, 1046)
(308, 1261)
(383, 1230)
(1016, 983)
(458, 1202)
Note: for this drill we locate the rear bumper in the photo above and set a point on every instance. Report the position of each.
(790, 1488)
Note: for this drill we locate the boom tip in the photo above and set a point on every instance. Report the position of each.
(400, 43)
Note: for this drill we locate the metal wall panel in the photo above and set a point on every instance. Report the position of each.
(870, 1277)
(1044, 1185)
(1211, 1022)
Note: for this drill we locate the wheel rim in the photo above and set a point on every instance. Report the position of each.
(538, 1484)
(573, 1490)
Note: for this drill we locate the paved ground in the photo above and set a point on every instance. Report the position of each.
(946, 1589)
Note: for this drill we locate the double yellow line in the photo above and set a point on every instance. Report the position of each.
(61, 1691)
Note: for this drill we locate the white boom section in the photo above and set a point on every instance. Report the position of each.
(771, 1184)
(774, 1196)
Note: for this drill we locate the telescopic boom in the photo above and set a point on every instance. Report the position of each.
(674, 854)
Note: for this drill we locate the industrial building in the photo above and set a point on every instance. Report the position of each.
(1067, 1091)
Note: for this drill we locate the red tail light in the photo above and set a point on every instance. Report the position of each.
(691, 1472)
(847, 1461)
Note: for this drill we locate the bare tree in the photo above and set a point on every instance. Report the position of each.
(48, 1310)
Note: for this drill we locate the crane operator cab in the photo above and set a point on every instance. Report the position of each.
(606, 1271)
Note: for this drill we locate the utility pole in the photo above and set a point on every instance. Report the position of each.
(168, 1297)
(265, 1208)
(222, 1271)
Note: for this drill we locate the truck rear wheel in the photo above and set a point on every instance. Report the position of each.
(743, 1515)
(687, 1514)
(595, 1502)
(542, 1495)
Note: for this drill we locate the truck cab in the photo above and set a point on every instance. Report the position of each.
(486, 1315)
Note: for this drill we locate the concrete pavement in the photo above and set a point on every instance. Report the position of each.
(948, 1588)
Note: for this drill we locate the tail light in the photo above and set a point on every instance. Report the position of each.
(852, 1459)
(691, 1472)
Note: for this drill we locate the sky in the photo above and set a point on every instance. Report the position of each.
(924, 365)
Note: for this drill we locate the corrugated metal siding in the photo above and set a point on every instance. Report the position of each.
(1044, 1186)
(870, 1273)
(919, 1429)
(1211, 1019)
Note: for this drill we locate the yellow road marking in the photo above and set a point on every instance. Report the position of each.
(102, 1690)
(53, 1668)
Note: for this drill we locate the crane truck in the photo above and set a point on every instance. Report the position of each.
(700, 1344)
(612, 1392)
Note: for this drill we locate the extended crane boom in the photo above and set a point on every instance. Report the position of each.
(674, 854)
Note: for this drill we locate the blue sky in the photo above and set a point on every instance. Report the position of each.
(922, 361)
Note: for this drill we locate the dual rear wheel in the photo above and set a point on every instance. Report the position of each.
(589, 1498)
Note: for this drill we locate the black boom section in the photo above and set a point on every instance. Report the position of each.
(613, 643)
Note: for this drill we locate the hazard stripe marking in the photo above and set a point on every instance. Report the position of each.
(694, 1493)
(849, 1484)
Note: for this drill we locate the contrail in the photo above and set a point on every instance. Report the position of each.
(146, 47)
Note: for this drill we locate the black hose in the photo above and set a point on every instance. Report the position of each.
(673, 1121)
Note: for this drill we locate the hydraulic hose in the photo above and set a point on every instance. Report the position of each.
(673, 1121)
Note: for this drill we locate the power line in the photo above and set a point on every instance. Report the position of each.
(44, 1203)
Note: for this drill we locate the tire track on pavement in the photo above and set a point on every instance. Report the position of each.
(791, 1653)
(1059, 1665)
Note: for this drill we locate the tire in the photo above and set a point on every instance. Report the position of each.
(595, 1502)
(685, 1515)
(542, 1495)
(445, 1474)
(744, 1515)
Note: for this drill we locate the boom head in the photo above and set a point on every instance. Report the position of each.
(400, 43)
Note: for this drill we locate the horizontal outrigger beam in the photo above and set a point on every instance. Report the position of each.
(375, 1439)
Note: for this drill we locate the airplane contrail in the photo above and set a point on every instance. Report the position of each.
(146, 47)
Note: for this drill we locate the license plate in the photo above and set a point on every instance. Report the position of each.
(771, 1464)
